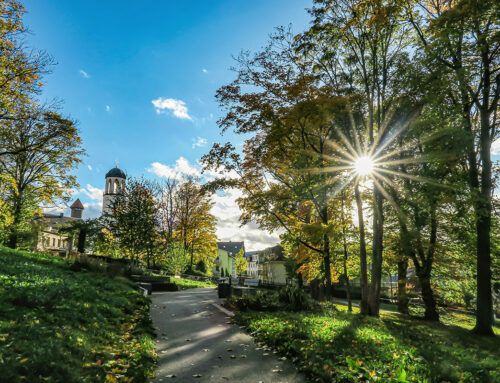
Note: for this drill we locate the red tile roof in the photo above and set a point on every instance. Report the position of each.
(77, 204)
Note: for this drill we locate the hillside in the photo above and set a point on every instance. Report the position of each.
(57, 325)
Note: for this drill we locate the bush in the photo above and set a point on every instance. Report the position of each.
(290, 298)
(201, 267)
(295, 298)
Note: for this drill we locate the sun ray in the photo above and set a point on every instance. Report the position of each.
(395, 134)
(387, 196)
(415, 178)
(344, 185)
(339, 149)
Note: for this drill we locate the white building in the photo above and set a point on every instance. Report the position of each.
(115, 183)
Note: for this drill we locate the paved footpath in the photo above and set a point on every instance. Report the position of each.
(197, 343)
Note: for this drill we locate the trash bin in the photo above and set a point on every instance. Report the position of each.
(224, 290)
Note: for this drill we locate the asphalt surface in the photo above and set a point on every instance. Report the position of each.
(198, 343)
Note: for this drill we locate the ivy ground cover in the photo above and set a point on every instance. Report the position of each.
(344, 347)
(57, 325)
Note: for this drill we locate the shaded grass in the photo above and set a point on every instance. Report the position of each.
(184, 284)
(57, 325)
(342, 346)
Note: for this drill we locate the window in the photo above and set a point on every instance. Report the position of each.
(58, 243)
(53, 242)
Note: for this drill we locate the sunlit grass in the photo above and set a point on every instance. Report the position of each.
(184, 284)
(57, 325)
(342, 346)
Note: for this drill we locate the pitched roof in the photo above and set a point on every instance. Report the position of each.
(77, 204)
(232, 248)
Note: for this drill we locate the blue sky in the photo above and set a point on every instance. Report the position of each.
(114, 58)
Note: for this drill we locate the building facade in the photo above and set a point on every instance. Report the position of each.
(50, 239)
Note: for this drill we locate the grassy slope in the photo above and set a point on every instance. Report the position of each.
(347, 347)
(184, 284)
(63, 326)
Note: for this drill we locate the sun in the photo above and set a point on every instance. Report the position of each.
(364, 166)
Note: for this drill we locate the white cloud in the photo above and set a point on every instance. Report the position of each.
(92, 210)
(225, 207)
(204, 70)
(89, 167)
(495, 147)
(108, 108)
(178, 107)
(84, 74)
(181, 169)
(92, 192)
(228, 226)
(199, 141)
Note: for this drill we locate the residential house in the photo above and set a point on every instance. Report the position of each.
(226, 252)
(271, 268)
(49, 239)
(252, 264)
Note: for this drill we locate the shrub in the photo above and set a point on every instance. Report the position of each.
(295, 298)
(201, 267)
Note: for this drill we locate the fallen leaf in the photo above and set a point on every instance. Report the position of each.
(277, 370)
(197, 376)
(170, 376)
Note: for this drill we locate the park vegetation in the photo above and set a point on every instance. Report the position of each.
(368, 142)
(165, 225)
(60, 323)
(38, 145)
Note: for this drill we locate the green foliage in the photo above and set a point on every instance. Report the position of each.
(176, 260)
(295, 298)
(290, 298)
(345, 347)
(65, 326)
(241, 263)
(201, 266)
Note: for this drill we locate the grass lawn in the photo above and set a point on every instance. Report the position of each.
(184, 284)
(345, 347)
(57, 325)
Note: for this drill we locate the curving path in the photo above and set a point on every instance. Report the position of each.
(197, 343)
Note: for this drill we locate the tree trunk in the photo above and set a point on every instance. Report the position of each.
(402, 292)
(362, 253)
(347, 283)
(484, 310)
(428, 297)
(82, 237)
(344, 234)
(14, 236)
(328, 273)
(376, 274)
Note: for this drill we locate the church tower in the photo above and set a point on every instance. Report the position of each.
(115, 183)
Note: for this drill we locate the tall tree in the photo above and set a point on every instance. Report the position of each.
(44, 148)
(461, 40)
(195, 225)
(368, 39)
(133, 219)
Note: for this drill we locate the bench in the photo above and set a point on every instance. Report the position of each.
(235, 281)
(251, 282)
